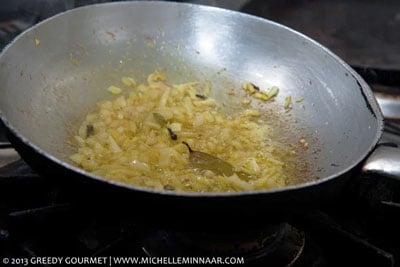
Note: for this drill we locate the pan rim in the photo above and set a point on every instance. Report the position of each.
(364, 87)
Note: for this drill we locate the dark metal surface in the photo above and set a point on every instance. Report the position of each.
(39, 218)
(363, 33)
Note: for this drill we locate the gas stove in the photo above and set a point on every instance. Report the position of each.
(40, 218)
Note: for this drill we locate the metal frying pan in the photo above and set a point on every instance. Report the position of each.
(55, 72)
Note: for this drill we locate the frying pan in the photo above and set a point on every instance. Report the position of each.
(54, 73)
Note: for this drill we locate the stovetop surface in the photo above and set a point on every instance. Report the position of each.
(363, 33)
(39, 218)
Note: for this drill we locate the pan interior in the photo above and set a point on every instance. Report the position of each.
(54, 73)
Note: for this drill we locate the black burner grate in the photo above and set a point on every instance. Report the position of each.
(37, 218)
